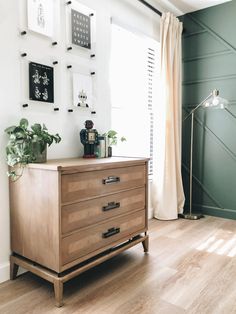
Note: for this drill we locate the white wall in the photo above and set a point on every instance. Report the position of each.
(128, 12)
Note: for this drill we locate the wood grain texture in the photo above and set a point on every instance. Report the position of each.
(59, 219)
(71, 165)
(58, 291)
(190, 268)
(83, 214)
(34, 203)
(38, 219)
(91, 239)
(89, 184)
(13, 269)
(58, 281)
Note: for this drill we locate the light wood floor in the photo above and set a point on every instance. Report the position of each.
(191, 268)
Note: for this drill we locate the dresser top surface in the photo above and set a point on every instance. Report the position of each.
(68, 163)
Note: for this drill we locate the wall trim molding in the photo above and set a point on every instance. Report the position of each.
(216, 42)
(195, 33)
(215, 137)
(202, 186)
(208, 55)
(4, 272)
(214, 34)
(210, 79)
(216, 211)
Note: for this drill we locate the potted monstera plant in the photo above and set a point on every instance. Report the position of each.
(26, 145)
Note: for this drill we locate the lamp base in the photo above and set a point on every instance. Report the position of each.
(191, 216)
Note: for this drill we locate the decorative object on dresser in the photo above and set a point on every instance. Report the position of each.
(27, 145)
(89, 138)
(112, 140)
(69, 215)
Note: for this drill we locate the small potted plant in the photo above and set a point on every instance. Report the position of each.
(26, 145)
(113, 140)
(42, 139)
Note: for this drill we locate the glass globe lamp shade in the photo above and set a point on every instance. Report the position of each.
(215, 101)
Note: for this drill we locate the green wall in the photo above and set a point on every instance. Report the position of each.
(209, 62)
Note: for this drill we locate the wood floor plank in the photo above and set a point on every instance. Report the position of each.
(214, 297)
(190, 269)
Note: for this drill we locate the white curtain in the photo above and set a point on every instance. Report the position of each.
(168, 196)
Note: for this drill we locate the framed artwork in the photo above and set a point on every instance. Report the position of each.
(80, 29)
(40, 16)
(82, 90)
(41, 82)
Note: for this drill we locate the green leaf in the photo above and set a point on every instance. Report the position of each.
(24, 123)
(20, 149)
(111, 133)
(12, 160)
(44, 127)
(10, 130)
(36, 128)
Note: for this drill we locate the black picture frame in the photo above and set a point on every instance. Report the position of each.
(41, 82)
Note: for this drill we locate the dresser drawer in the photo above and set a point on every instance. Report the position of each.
(86, 213)
(101, 236)
(82, 186)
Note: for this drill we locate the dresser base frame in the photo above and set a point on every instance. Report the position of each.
(58, 279)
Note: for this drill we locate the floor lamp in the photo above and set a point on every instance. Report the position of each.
(213, 101)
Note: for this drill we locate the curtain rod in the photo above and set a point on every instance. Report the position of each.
(150, 7)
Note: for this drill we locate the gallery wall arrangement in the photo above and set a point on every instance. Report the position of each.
(39, 73)
(51, 51)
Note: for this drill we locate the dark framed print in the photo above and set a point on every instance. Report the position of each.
(41, 82)
(81, 29)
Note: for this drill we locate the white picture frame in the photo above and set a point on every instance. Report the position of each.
(40, 17)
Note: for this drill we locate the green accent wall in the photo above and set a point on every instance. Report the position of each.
(209, 62)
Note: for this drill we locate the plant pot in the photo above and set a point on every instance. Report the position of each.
(109, 151)
(40, 156)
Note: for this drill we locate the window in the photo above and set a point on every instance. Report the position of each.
(133, 72)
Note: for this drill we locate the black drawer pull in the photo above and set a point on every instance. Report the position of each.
(111, 180)
(110, 206)
(111, 232)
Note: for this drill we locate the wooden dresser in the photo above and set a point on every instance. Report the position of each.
(69, 215)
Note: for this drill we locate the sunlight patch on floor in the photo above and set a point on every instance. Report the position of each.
(226, 247)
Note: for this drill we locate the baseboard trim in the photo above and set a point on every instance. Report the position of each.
(4, 272)
(216, 211)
